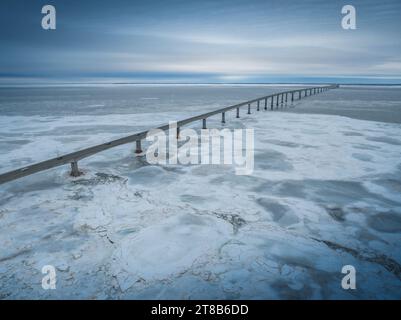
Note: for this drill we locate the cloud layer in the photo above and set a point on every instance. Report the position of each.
(201, 40)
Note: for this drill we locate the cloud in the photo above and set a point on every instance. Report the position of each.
(229, 39)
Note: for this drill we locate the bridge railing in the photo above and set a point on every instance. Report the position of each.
(272, 101)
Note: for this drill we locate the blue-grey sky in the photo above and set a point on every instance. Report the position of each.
(201, 41)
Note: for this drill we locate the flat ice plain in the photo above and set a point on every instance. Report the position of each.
(325, 193)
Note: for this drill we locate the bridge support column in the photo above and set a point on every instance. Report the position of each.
(272, 103)
(138, 149)
(249, 108)
(74, 169)
(223, 117)
(178, 133)
(286, 97)
(292, 96)
(237, 112)
(282, 99)
(203, 123)
(258, 106)
(265, 103)
(277, 101)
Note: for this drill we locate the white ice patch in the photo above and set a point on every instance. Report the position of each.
(168, 248)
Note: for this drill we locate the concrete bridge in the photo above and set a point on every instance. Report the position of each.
(272, 102)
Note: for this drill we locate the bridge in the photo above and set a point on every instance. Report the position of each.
(272, 102)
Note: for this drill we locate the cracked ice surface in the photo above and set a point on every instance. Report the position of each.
(325, 193)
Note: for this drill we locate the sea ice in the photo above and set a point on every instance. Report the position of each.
(324, 193)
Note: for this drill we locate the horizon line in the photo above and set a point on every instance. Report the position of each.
(195, 83)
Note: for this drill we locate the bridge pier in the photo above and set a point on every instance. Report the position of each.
(203, 123)
(292, 97)
(258, 106)
(272, 103)
(237, 112)
(138, 149)
(249, 108)
(75, 170)
(282, 99)
(223, 117)
(178, 133)
(277, 101)
(286, 97)
(265, 103)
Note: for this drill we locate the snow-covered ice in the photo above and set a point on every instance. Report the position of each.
(325, 193)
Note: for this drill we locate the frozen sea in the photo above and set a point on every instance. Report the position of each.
(325, 193)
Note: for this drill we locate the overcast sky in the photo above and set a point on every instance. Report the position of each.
(201, 41)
